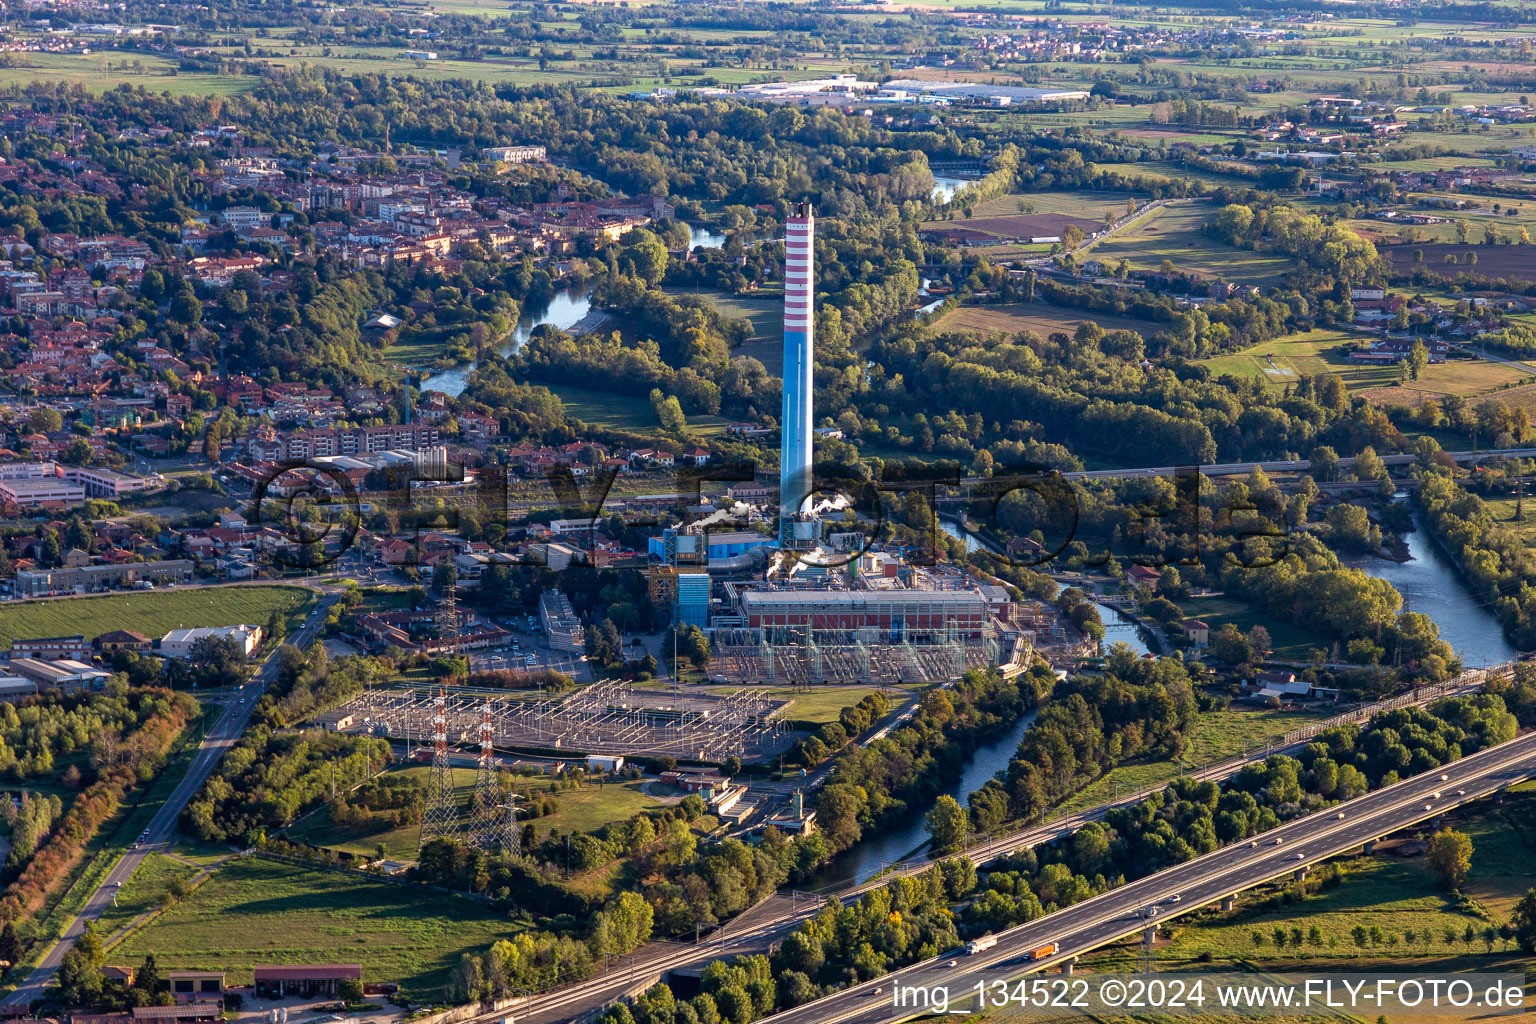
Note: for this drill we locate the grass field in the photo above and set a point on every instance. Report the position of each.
(583, 810)
(1042, 318)
(108, 69)
(1173, 233)
(259, 911)
(1289, 641)
(1283, 360)
(153, 613)
(148, 888)
(766, 315)
(603, 409)
(822, 703)
(1389, 892)
(1219, 734)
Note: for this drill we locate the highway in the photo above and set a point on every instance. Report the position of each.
(226, 730)
(1283, 851)
(754, 930)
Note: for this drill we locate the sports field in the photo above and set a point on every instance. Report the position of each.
(153, 613)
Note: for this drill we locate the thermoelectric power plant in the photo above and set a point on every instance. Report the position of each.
(799, 361)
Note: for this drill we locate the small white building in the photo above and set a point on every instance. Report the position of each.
(605, 762)
(178, 643)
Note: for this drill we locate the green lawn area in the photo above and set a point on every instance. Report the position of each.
(1173, 233)
(147, 889)
(259, 911)
(765, 314)
(1386, 891)
(603, 409)
(154, 613)
(822, 703)
(1219, 734)
(1289, 641)
(583, 810)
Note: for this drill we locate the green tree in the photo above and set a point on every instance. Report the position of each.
(1523, 918)
(43, 421)
(947, 824)
(1450, 856)
(1418, 358)
(10, 943)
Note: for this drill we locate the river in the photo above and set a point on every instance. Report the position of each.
(1431, 584)
(567, 307)
(893, 840)
(564, 311)
(1428, 582)
(944, 189)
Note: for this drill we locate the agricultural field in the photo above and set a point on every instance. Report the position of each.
(154, 613)
(259, 911)
(1289, 641)
(1284, 360)
(1174, 233)
(1389, 892)
(1014, 227)
(1087, 209)
(1516, 261)
(1042, 318)
(108, 69)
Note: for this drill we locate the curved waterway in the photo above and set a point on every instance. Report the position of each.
(893, 840)
(564, 311)
(1431, 584)
(1428, 581)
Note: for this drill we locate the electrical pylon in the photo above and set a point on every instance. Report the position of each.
(440, 817)
(487, 820)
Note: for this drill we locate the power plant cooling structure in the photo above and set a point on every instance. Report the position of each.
(799, 360)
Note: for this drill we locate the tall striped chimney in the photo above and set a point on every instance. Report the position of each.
(799, 383)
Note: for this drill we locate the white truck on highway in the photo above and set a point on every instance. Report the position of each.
(977, 945)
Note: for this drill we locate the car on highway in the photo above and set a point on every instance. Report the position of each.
(1435, 795)
(953, 963)
(1444, 777)
(1299, 856)
(1429, 807)
(1176, 897)
(1341, 815)
(1279, 840)
(1253, 842)
(1461, 792)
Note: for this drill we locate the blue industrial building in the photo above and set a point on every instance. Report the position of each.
(692, 607)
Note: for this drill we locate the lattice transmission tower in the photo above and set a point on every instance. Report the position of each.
(487, 816)
(440, 817)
